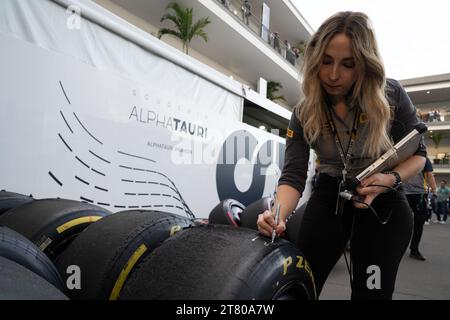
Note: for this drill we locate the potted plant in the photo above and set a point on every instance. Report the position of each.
(436, 137)
(272, 90)
(185, 29)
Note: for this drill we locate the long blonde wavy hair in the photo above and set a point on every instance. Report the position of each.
(369, 88)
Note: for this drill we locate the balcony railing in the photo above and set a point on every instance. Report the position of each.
(242, 10)
(441, 169)
(435, 117)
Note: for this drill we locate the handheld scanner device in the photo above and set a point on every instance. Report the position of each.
(401, 151)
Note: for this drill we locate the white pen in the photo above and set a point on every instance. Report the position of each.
(277, 218)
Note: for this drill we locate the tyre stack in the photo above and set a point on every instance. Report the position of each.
(60, 249)
(26, 273)
(109, 251)
(32, 235)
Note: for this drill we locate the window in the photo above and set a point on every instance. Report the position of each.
(258, 117)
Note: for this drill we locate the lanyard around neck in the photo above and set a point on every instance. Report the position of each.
(345, 159)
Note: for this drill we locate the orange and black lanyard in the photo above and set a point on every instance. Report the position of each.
(345, 159)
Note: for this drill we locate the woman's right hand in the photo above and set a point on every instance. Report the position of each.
(266, 224)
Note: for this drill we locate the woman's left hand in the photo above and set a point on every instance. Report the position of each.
(367, 193)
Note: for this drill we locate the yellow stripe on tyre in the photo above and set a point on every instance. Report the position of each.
(72, 223)
(126, 271)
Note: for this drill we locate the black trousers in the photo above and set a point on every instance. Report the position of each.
(418, 204)
(323, 235)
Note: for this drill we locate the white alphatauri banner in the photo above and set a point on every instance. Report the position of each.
(88, 115)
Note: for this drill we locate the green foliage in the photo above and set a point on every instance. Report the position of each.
(301, 46)
(436, 137)
(184, 28)
(272, 90)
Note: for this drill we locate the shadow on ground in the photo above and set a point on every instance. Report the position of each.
(416, 280)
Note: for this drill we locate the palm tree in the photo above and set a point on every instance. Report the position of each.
(185, 30)
(436, 137)
(272, 89)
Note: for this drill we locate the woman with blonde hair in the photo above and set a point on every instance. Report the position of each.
(349, 116)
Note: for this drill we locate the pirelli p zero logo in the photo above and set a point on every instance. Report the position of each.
(290, 133)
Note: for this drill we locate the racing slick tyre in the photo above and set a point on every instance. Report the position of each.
(17, 248)
(109, 251)
(10, 200)
(249, 216)
(293, 224)
(227, 212)
(52, 224)
(217, 262)
(19, 283)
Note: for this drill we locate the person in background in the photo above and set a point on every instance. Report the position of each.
(290, 56)
(286, 49)
(226, 3)
(416, 194)
(296, 52)
(432, 207)
(276, 42)
(430, 116)
(436, 116)
(246, 11)
(443, 192)
(271, 38)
